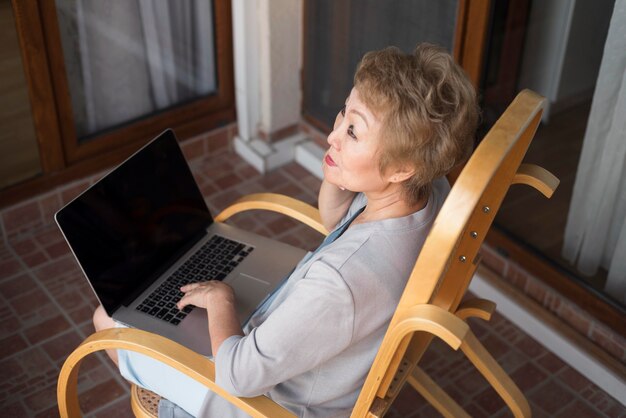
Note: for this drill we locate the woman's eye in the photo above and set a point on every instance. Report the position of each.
(343, 111)
(351, 131)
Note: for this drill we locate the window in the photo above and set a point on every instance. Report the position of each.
(104, 77)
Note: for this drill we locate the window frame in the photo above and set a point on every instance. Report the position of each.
(62, 156)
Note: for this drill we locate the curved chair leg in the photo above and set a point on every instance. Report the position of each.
(431, 391)
(436, 396)
(495, 375)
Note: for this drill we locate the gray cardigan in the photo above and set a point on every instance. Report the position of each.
(312, 348)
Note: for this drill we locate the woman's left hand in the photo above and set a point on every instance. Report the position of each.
(204, 294)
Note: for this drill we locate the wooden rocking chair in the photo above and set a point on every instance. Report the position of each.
(430, 305)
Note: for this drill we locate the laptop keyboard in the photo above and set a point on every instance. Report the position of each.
(214, 260)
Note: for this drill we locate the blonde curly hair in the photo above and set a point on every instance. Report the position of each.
(428, 109)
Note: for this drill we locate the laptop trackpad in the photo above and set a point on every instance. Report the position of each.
(249, 292)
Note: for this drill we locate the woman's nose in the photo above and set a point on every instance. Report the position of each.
(333, 139)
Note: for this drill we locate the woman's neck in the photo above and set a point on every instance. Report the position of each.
(386, 205)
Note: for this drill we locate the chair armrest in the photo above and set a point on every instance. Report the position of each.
(286, 205)
(477, 307)
(160, 348)
(537, 177)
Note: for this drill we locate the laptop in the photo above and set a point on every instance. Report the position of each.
(144, 230)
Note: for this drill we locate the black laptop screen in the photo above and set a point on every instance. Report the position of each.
(135, 222)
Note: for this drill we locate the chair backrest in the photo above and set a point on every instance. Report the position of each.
(449, 257)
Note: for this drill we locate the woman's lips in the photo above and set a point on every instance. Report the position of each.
(329, 161)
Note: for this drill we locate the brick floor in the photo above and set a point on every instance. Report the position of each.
(46, 306)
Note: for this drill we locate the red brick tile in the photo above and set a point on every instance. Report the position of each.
(42, 400)
(528, 376)
(11, 345)
(193, 148)
(217, 141)
(30, 302)
(81, 315)
(408, 401)
(52, 412)
(227, 181)
(24, 246)
(14, 410)
(579, 410)
(22, 215)
(87, 328)
(616, 411)
(233, 130)
(281, 225)
(46, 329)
(8, 324)
(223, 199)
(57, 268)
(490, 401)
(118, 409)
(100, 395)
(530, 347)
(208, 189)
(49, 236)
(57, 250)
(471, 382)
(49, 205)
(292, 190)
(9, 268)
(16, 286)
(496, 347)
(552, 397)
(603, 402)
(538, 412)
(247, 172)
(270, 181)
(35, 259)
(296, 171)
(513, 360)
(70, 192)
(475, 411)
(32, 362)
(551, 363)
(70, 300)
(312, 184)
(62, 345)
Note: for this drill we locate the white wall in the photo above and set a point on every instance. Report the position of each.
(280, 63)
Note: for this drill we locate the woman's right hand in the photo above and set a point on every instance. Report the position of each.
(333, 202)
(205, 294)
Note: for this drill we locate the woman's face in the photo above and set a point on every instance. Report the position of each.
(351, 162)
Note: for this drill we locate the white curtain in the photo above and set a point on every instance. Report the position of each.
(129, 58)
(595, 234)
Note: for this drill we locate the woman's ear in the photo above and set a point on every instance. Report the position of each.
(401, 174)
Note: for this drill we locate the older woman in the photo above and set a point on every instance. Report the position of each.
(409, 119)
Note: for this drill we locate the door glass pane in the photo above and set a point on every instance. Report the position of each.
(338, 33)
(564, 46)
(19, 153)
(126, 60)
